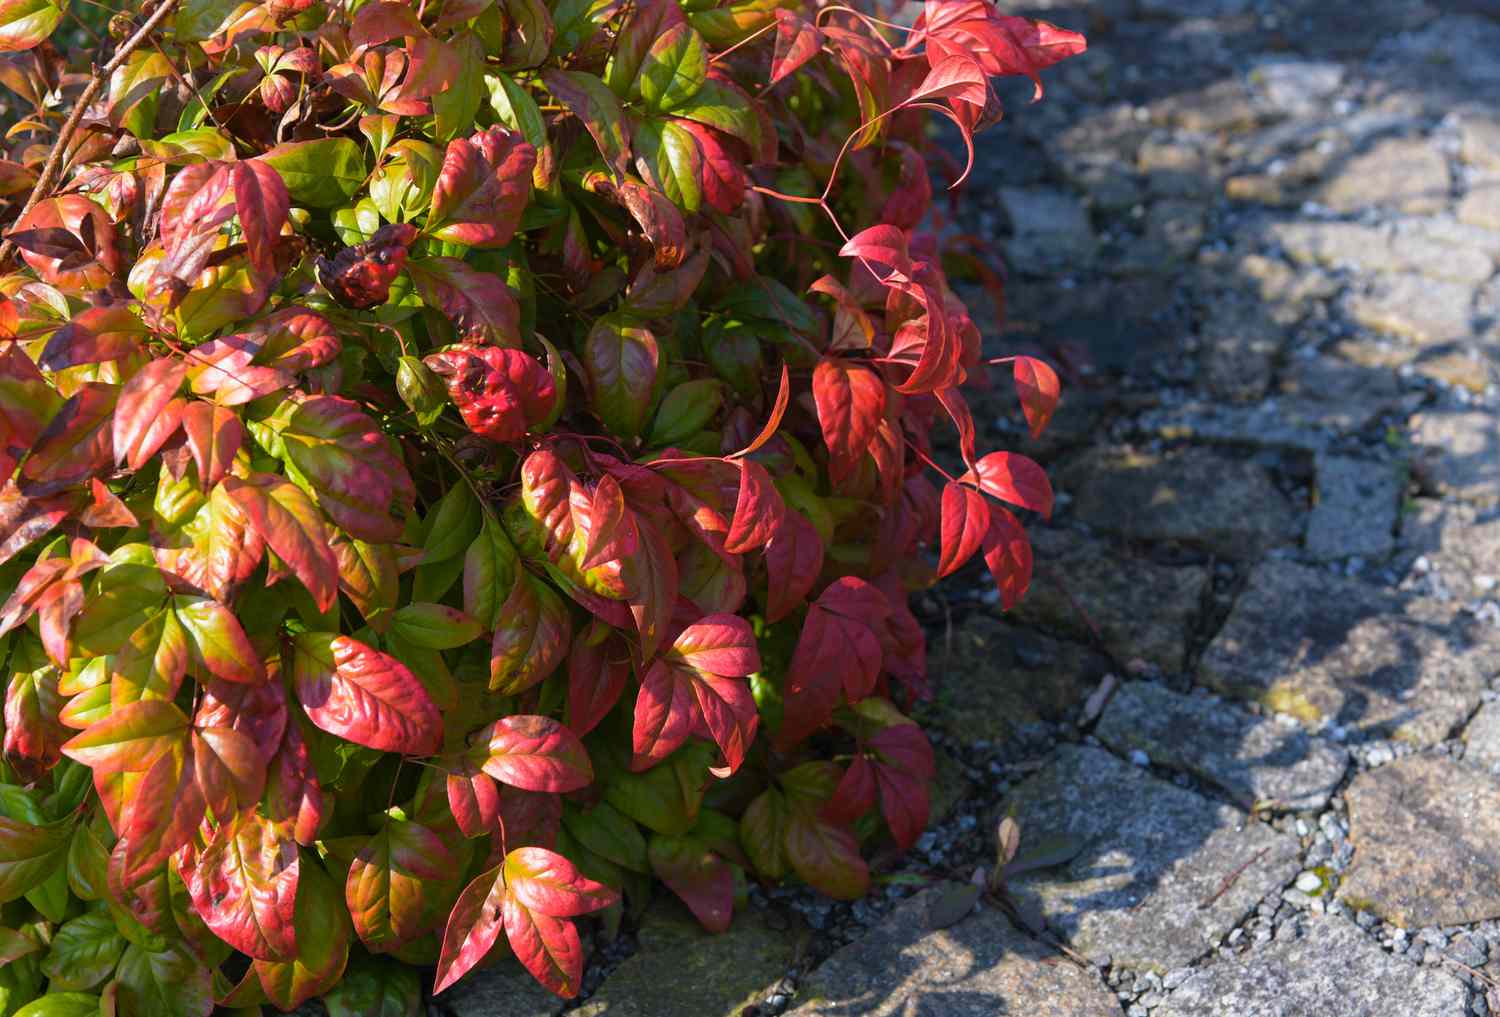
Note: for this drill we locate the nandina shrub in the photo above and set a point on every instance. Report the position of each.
(463, 460)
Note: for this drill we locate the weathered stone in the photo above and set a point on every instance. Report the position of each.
(1240, 342)
(1457, 542)
(1335, 245)
(1253, 758)
(1480, 141)
(1331, 650)
(1194, 496)
(1296, 87)
(1460, 452)
(1480, 205)
(999, 680)
(682, 971)
(1482, 738)
(1464, 367)
(1405, 173)
(1223, 106)
(1426, 835)
(1264, 425)
(1354, 509)
(1413, 306)
(1446, 250)
(1149, 888)
(500, 990)
(1175, 227)
(980, 967)
(1335, 394)
(1286, 293)
(1107, 588)
(1051, 229)
(1331, 970)
(1175, 168)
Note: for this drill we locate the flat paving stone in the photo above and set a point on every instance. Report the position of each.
(1194, 496)
(1331, 650)
(1460, 452)
(1241, 341)
(1459, 543)
(1426, 834)
(1331, 970)
(1001, 680)
(1336, 245)
(1253, 758)
(1354, 508)
(1108, 585)
(1482, 738)
(503, 989)
(1405, 173)
(1146, 889)
(682, 971)
(1480, 205)
(1051, 229)
(980, 967)
(1412, 306)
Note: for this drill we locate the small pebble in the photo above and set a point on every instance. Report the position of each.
(1139, 758)
(1309, 882)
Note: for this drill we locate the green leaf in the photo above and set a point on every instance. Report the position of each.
(323, 173)
(30, 854)
(26, 23)
(674, 70)
(669, 158)
(163, 983)
(591, 101)
(198, 20)
(62, 1004)
(376, 988)
(454, 108)
(606, 832)
(686, 410)
(323, 935)
(719, 105)
(84, 952)
(518, 110)
(667, 797)
(622, 361)
(434, 626)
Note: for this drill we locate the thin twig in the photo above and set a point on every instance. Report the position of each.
(53, 167)
(1232, 878)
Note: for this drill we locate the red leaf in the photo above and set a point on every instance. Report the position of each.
(1037, 385)
(1012, 478)
(287, 520)
(162, 815)
(218, 641)
(77, 442)
(27, 402)
(107, 510)
(501, 393)
(773, 423)
(1007, 552)
(360, 479)
(611, 526)
(850, 401)
(547, 947)
(674, 702)
(214, 434)
(597, 673)
(797, 42)
(257, 711)
(703, 880)
(482, 188)
(545, 882)
(368, 697)
(651, 581)
(838, 651)
(855, 794)
(953, 401)
(532, 633)
(262, 203)
(758, 511)
(473, 799)
(360, 277)
(535, 754)
(243, 885)
(294, 801)
(473, 926)
(883, 246)
(966, 522)
(230, 768)
(794, 559)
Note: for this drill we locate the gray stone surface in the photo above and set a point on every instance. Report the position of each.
(1354, 507)
(1426, 835)
(1253, 758)
(1412, 306)
(981, 967)
(1482, 738)
(1240, 342)
(1331, 970)
(504, 989)
(1195, 496)
(1443, 249)
(1000, 680)
(1051, 229)
(1459, 547)
(1480, 205)
(1409, 174)
(1296, 86)
(1480, 141)
(1459, 452)
(1146, 888)
(682, 971)
(1090, 578)
(1332, 650)
(1336, 245)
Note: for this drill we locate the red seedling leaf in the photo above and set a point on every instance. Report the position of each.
(532, 634)
(966, 522)
(1012, 478)
(758, 512)
(501, 393)
(703, 880)
(1037, 385)
(473, 926)
(797, 42)
(1007, 552)
(850, 400)
(473, 798)
(482, 188)
(855, 794)
(839, 651)
(262, 203)
(547, 883)
(287, 520)
(651, 582)
(130, 738)
(534, 754)
(675, 701)
(368, 697)
(597, 673)
(214, 435)
(243, 884)
(591, 101)
(794, 560)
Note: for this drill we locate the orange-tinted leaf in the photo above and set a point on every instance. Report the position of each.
(966, 521)
(851, 402)
(1037, 385)
(368, 697)
(243, 884)
(287, 520)
(535, 754)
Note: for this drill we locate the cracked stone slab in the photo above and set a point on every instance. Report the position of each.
(1001, 680)
(980, 967)
(1110, 586)
(1354, 511)
(1051, 228)
(1426, 834)
(682, 971)
(1332, 650)
(1482, 738)
(1146, 889)
(1460, 452)
(1412, 306)
(1253, 758)
(1332, 970)
(1460, 543)
(1194, 496)
(500, 990)
(1241, 341)
(1405, 173)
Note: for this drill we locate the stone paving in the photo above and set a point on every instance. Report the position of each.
(1261, 237)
